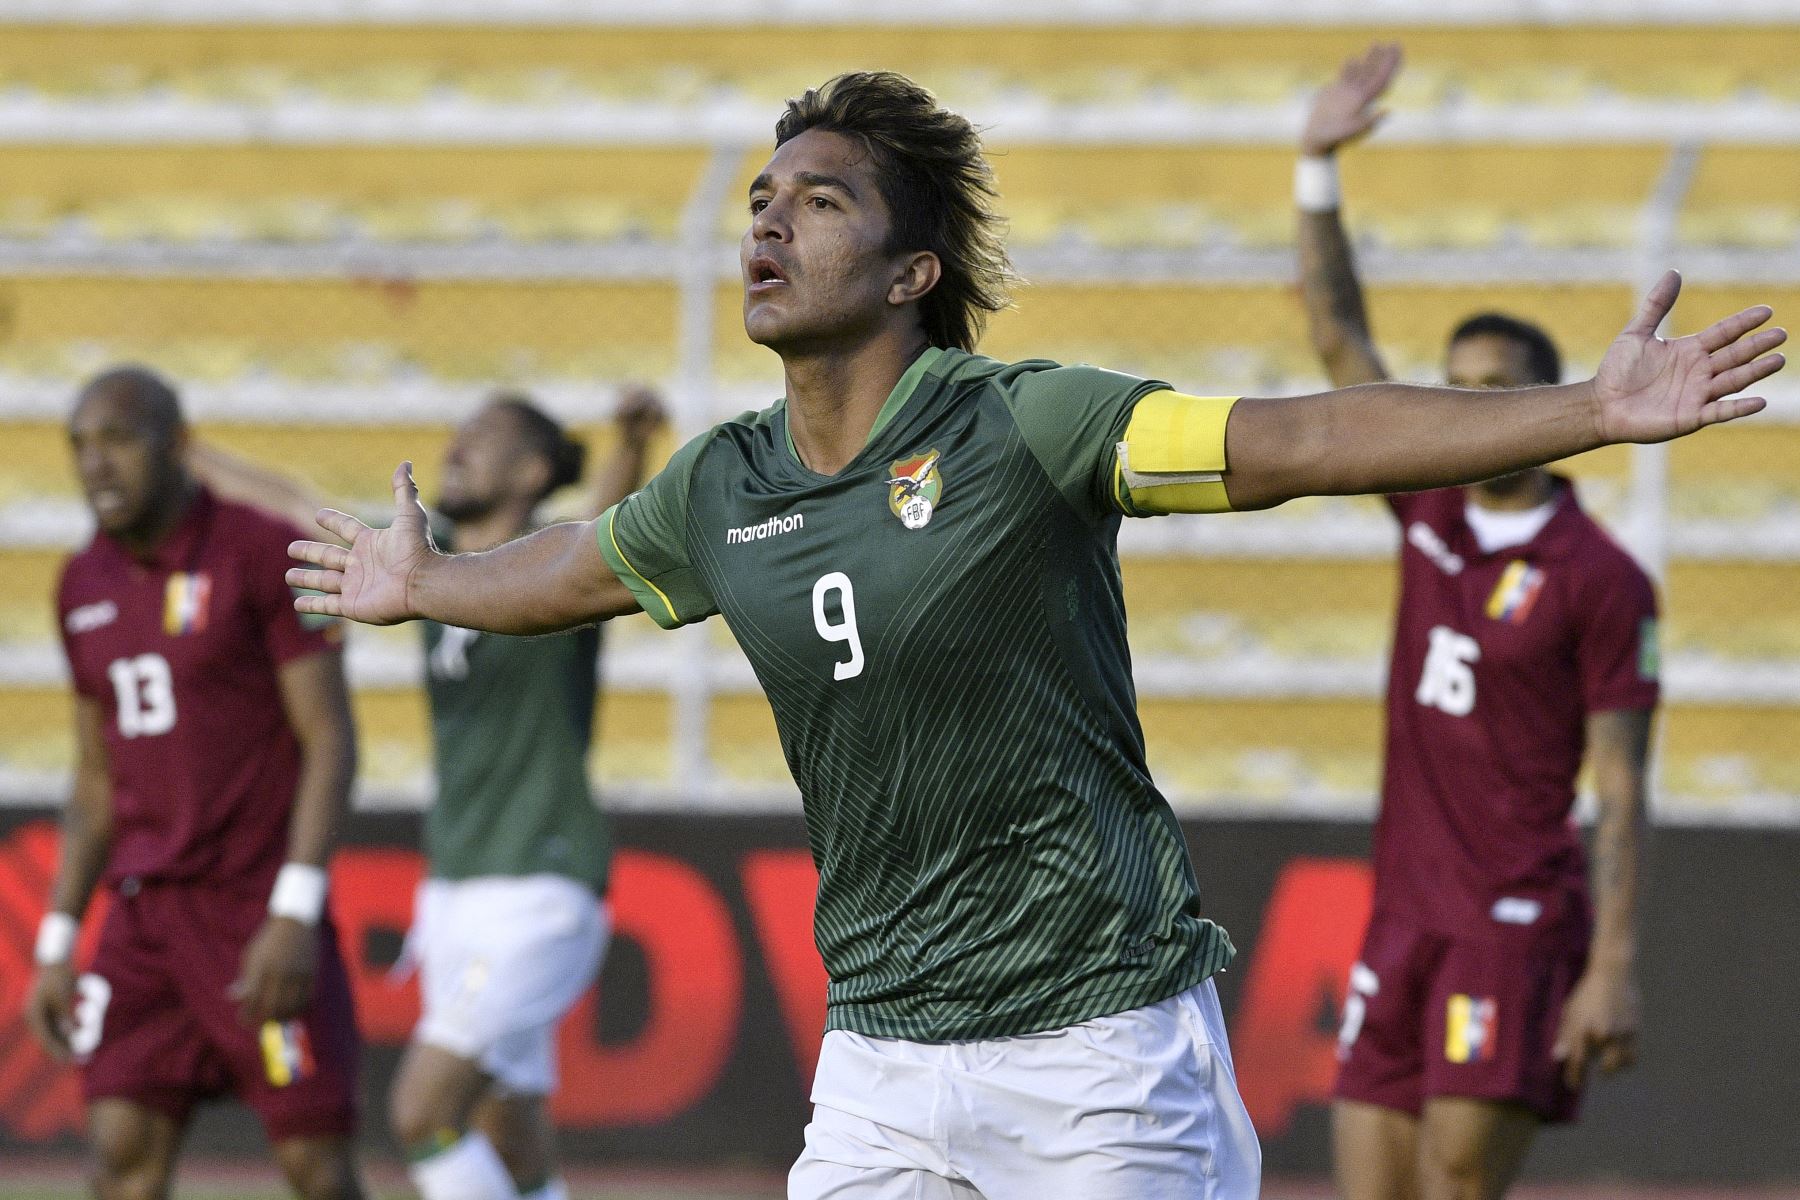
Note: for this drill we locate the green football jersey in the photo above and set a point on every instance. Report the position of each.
(940, 629)
(511, 722)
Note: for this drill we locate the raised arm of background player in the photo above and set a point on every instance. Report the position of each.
(86, 842)
(1342, 113)
(637, 420)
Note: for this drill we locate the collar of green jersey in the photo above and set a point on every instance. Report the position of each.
(890, 408)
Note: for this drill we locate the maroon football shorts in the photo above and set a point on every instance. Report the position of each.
(1432, 1014)
(157, 998)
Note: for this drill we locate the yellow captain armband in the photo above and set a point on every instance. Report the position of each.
(1172, 459)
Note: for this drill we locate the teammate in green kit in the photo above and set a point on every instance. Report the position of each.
(506, 929)
(915, 548)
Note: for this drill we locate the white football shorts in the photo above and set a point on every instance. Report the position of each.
(1140, 1105)
(501, 959)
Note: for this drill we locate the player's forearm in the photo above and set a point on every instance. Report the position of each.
(1618, 868)
(1391, 437)
(322, 795)
(552, 580)
(86, 842)
(1336, 317)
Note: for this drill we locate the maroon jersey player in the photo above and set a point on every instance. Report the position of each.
(1489, 978)
(215, 754)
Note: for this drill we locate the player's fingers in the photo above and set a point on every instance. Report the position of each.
(1726, 330)
(406, 492)
(1576, 1063)
(323, 554)
(1739, 378)
(1656, 306)
(319, 606)
(1387, 62)
(1730, 409)
(242, 991)
(46, 1023)
(1744, 349)
(1619, 1053)
(318, 581)
(340, 524)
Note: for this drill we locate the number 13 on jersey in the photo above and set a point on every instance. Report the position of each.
(843, 630)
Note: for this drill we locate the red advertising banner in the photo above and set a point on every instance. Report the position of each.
(700, 1040)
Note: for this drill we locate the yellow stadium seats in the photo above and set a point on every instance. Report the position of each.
(1758, 227)
(1606, 226)
(279, 350)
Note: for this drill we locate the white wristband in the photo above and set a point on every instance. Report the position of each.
(299, 893)
(56, 939)
(1316, 184)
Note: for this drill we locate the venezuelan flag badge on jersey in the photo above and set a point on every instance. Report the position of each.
(287, 1052)
(1516, 592)
(1469, 1029)
(186, 600)
(914, 488)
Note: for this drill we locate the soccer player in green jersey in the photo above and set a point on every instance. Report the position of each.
(506, 931)
(915, 548)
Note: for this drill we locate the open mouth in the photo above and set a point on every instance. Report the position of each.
(763, 273)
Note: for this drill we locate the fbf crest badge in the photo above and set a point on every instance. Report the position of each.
(914, 486)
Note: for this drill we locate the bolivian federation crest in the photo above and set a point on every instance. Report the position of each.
(914, 486)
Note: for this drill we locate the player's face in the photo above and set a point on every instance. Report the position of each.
(129, 468)
(1488, 360)
(815, 268)
(482, 466)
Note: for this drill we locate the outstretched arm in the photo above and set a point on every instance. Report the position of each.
(553, 579)
(1389, 437)
(1336, 318)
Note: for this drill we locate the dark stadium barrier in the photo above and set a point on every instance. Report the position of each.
(713, 996)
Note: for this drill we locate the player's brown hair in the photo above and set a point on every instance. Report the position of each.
(938, 188)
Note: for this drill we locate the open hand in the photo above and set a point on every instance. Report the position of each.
(372, 580)
(1652, 389)
(1344, 111)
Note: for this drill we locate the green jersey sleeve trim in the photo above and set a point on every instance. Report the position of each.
(650, 598)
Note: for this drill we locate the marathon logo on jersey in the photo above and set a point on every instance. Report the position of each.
(1469, 1029)
(1518, 590)
(90, 617)
(914, 488)
(287, 1052)
(773, 527)
(185, 602)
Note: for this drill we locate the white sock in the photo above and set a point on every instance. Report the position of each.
(556, 1189)
(467, 1169)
